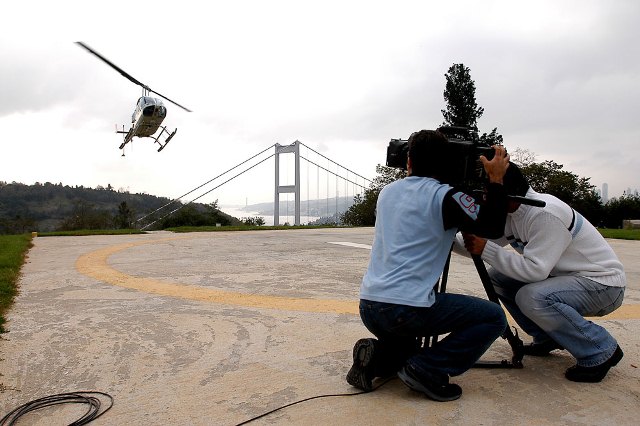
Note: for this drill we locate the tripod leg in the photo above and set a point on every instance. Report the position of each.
(441, 287)
(517, 347)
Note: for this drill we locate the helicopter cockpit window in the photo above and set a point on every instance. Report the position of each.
(148, 110)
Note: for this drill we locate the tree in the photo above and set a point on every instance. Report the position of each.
(187, 215)
(460, 96)
(124, 217)
(462, 108)
(253, 221)
(618, 209)
(549, 177)
(85, 216)
(196, 215)
(363, 210)
(18, 225)
(522, 157)
(386, 175)
(493, 138)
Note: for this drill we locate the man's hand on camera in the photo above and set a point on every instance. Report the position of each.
(473, 243)
(497, 167)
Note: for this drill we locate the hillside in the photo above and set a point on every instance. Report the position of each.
(318, 208)
(48, 207)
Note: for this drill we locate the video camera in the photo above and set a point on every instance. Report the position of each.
(464, 168)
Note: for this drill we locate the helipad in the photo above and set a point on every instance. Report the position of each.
(216, 328)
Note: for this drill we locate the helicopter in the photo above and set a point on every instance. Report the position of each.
(148, 115)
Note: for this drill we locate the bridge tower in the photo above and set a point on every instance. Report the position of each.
(284, 189)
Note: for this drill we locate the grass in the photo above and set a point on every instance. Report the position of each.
(13, 249)
(244, 228)
(85, 232)
(621, 234)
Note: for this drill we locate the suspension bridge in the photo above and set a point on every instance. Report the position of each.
(320, 186)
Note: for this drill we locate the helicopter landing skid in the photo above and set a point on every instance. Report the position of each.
(128, 135)
(166, 141)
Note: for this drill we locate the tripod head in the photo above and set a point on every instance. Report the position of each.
(527, 201)
(478, 195)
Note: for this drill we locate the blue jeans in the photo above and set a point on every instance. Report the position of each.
(555, 308)
(473, 325)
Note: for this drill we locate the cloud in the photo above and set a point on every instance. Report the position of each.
(557, 78)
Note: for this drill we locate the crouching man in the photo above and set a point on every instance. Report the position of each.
(562, 270)
(416, 222)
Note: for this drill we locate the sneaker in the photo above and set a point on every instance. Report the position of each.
(540, 349)
(433, 390)
(596, 373)
(361, 374)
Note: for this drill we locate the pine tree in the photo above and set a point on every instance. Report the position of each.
(124, 218)
(460, 96)
(462, 108)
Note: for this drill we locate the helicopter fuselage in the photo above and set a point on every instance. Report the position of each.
(147, 117)
(146, 120)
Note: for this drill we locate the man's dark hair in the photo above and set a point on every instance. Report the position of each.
(514, 181)
(426, 149)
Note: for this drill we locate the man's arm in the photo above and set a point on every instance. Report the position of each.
(548, 238)
(460, 210)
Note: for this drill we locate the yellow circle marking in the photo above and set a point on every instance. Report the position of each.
(95, 265)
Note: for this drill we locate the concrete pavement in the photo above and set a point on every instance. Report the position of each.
(216, 328)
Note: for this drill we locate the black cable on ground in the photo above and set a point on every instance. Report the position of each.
(309, 399)
(94, 404)
(89, 398)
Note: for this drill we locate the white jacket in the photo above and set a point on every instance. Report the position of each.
(553, 241)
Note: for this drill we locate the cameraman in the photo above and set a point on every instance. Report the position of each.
(561, 270)
(416, 223)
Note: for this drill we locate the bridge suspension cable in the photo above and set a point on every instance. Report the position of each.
(329, 159)
(204, 184)
(341, 173)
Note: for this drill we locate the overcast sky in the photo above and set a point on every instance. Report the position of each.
(558, 78)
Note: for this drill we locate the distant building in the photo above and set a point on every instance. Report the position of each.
(605, 193)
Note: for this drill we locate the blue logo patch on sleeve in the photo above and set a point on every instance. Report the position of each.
(468, 204)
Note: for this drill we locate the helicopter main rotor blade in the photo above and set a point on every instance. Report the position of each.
(164, 97)
(114, 66)
(128, 76)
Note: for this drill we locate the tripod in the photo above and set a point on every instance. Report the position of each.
(517, 346)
